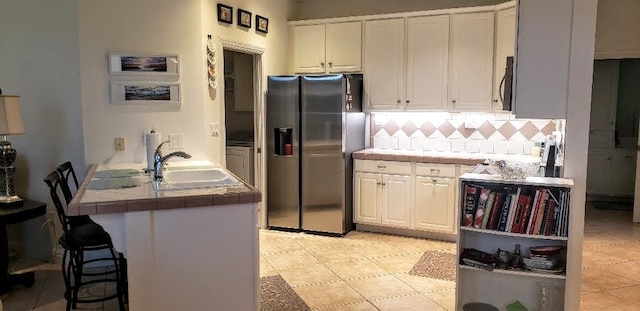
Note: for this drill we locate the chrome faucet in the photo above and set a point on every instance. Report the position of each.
(159, 160)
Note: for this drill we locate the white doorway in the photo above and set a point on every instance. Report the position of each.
(244, 118)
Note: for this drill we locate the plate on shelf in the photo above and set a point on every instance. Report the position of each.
(211, 46)
(545, 271)
(545, 250)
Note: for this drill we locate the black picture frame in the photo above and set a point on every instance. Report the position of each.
(225, 13)
(262, 24)
(244, 18)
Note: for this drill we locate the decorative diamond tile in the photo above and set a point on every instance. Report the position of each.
(486, 129)
(497, 136)
(476, 135)
(517, 136)
(427, 129)
(381, 133)
(528, 130)
(549, 128)
(507, 130)
(465, 131)
(409, 128)
(446, 129)
(539, 137)
(517, 124)
(417, 134)
(456, 134)
(391, 127)
(497, 123)
(377, 128)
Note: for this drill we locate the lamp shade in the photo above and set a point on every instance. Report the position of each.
(10, 118)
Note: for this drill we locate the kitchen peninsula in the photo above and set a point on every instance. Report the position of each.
(188, 249)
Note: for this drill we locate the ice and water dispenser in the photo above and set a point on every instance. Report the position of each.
(283, 141)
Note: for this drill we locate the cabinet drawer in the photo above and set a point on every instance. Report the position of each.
(441, 170)
(389, 167)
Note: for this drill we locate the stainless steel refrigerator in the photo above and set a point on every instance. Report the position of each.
(314, 123)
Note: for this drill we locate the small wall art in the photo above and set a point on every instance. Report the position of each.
(262, 24)
(225, 13)
(143, 64)
(244, 18)
(129, 92)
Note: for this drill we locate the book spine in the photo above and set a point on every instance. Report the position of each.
(517, 218)
(539, 207)
(488, 209)
(544, 206)
(532, 212)
(505, 212)
(525, 214)
(552, 211)
(512, 210)
(482, 204)
(496, 211)
(469, 205)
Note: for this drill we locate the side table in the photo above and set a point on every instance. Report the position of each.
(10, 215)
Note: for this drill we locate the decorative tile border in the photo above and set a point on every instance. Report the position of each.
(494, 133)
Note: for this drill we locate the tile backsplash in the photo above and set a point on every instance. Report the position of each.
(459, 132)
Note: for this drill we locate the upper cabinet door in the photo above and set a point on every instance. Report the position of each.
(308, 49)
(344, 47)
(604, 95)
(472, 61)
(617, 29)
(383, 64)
(427, 63)
(541, 69)
(505, 46)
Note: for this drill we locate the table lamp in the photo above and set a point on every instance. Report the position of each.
(10, 124)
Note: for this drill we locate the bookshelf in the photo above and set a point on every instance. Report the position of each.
(537, 214)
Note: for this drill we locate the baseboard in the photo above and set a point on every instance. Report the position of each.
(408, 232)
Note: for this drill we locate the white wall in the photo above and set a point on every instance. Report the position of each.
(164, 26)
(311, 9)
(39, 62)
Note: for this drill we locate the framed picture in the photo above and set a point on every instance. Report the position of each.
(225, 13)
(133, 92)
(143, 64)
(262, 23)
(244, 18)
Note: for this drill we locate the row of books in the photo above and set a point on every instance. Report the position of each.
(517, 209)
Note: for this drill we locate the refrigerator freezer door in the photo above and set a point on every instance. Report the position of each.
(283, 160)
(323, 163)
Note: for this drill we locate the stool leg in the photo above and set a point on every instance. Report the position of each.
(119, 280)
(78, 270)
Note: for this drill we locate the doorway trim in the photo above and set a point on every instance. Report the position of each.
(258, 119)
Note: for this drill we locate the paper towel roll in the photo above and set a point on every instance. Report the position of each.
(153, 139)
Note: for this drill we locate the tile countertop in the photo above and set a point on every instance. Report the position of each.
(460, 158)
(140, 195)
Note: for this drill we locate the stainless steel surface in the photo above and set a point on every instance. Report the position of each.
(332, 126)
(283, 190)
(159, 160)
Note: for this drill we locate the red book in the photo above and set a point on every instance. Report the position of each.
(482, 202)
(517, 218)
(537, 208)
(552, 210)
(525, 215)
(495, 212)
(470, 200)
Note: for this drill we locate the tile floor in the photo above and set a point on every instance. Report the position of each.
(367, 271)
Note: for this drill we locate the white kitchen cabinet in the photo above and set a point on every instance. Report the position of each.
(240, 162)
(604, 96)
(623, 172)
(308, 48)
(327, 48)
(617, 29)
(396, 200)
(598, 171)
(384, 64)
(541, 69)
(434, 198)
(471, 61)
(367, 198)
(505, 46)
(427, 63)
(344, 47)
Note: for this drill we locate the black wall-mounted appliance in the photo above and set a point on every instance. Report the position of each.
(506, 85)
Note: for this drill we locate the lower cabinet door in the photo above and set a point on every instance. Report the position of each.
(367, 198)
(434, 204)
(396, 200)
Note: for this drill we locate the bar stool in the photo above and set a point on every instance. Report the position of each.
(67, 175)
(76, 240)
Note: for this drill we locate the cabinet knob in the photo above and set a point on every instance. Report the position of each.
(384, 184)
(434, 179)
(495, 101)
(453, 102)
(408, 101)
(398, 102)
(382, 166)
(330, 64)
(379, 183)
(322, 64)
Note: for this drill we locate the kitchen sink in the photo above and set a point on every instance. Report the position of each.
(195, 178)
